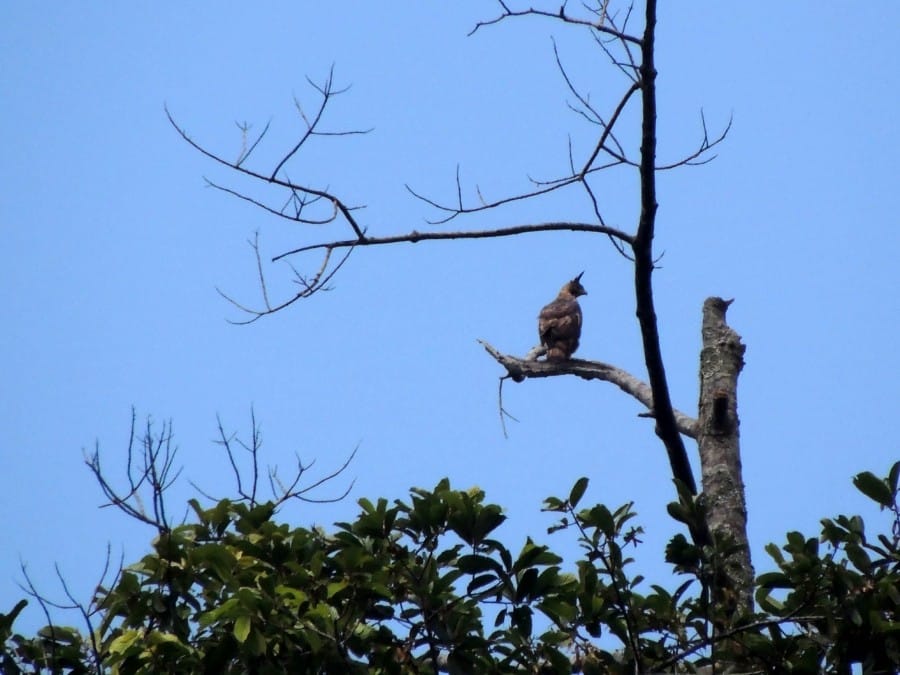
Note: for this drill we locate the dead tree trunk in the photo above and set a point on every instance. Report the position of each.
(718, 438)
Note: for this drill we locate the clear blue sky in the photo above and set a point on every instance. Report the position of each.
(112, 250)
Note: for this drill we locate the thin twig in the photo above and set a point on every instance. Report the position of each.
(344, 209)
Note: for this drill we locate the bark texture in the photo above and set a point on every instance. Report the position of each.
(718, 436)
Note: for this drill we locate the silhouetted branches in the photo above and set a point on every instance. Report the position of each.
(148, 468)
(327, 91)
(633, 56)
(341, 208)
(54, 635)
(308, 284)
(247, 479)
(245, 150)
(598, 24)
(309, 205)
(150, 473)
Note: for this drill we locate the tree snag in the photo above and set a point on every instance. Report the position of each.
(718, 438)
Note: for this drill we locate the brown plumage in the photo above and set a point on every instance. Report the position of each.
(559, 323)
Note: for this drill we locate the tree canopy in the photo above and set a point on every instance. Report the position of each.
(426, 583)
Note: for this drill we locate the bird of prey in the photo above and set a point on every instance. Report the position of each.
(559, 323)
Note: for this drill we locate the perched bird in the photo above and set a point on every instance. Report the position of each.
(559, 323)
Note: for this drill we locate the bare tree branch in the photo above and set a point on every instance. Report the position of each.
(291, 491)
(87, 611)
(309, 285)
(343, 208)
(695, 158)
(328, 92)
(504, 413)
(547, 186)
(245, 153)
(460, 209)
(629, 68)
(607, 129)
(667, 428)
(416, 236)
(592, 115)
(276, 212)
(597, 25)
(248, 483)
(45, 605)
(519, 369)
(153, 470)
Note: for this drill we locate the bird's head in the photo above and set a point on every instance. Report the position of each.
(574, 287)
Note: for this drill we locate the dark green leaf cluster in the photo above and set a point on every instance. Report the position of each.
(840, 605)
(424, 586)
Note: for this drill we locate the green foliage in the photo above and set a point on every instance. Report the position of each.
(843, 602)
(425, 586)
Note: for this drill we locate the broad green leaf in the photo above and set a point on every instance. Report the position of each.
(217, 558)
(767, 603)
(679, 512)
(894, 477)
(124, 641)
(559, 610)
(335, 587)
(479, 581)
(256, 644)
(242, 628)
(521, 619)
(6, 620)
(533, 555)
(773, 580)
(599, 517)
(526, 584)
(577, 491)
(874, 488)
(473, 564)
(859, 558)
(775, 552)
(292, 596)
(160, 637)
(554, 504)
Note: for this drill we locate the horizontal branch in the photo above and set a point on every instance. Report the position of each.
(416, 236)
(519, 369)
(561, 16)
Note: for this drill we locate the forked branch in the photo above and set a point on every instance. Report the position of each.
(247, 473)
(149, 472)
(307, 193)
(599, 24)
(307, 284)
